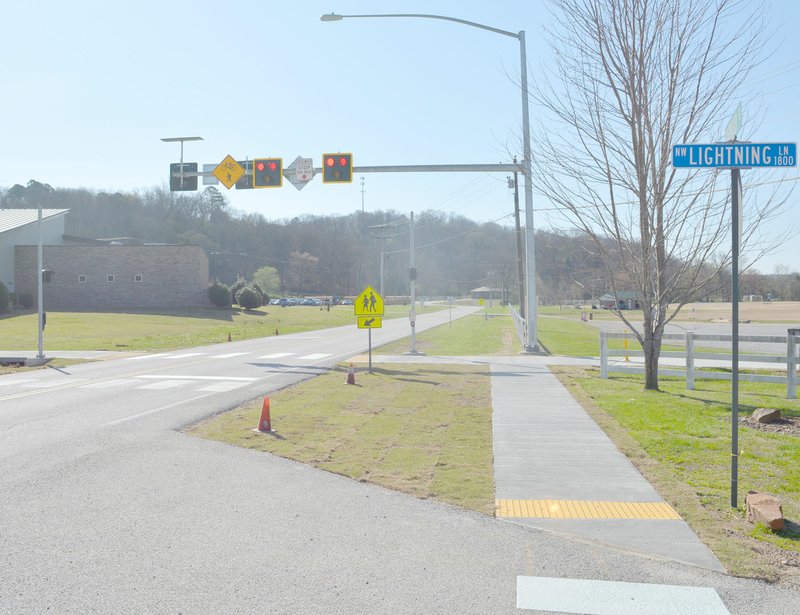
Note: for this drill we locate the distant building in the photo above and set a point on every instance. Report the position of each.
(485, 292)
(621, 300)
(98, 274)
(21, 226)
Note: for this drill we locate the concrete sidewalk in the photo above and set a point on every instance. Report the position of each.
(547, 449)
(555, 469)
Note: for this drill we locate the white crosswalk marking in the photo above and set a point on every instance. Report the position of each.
(615, 598)
(222, 387)
(165, 384)
(185, 355)
(277, 355)
(314, 357)
(146, 356)
(108, 384)
(227, 356)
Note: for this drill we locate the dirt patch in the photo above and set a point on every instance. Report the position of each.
(787, 425)
(756, 311)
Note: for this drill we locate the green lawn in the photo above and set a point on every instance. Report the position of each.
(423, 430)
(170, 329)
(490, 332)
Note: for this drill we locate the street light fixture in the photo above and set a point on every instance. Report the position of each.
(531, 343)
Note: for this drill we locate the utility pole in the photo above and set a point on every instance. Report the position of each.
(363, 193)
(520, 253)
(412, 274)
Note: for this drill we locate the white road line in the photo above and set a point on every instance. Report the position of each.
(165, 384)
(49, 384)
(222, 387)
(277, 355)
(146, 356)
(141, 414)
(615, 598)
(313, 357)
(185, 377)
(227, 356)
(108, 384)
(185, 355)
(8, 383)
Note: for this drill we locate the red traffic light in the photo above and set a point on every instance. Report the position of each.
(268, 173)
(337, 168)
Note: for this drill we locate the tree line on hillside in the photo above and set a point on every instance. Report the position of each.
(339, 255)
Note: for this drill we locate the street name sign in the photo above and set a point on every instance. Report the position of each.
(368, 303)
(733, 155)
(369, 322)
(229, 171)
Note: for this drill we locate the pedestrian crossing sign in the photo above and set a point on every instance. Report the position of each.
(368, 303)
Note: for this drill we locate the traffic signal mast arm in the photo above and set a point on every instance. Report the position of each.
(408, 168)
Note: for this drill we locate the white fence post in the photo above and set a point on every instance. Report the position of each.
(689, 361)
(791, 366)
(603, 355)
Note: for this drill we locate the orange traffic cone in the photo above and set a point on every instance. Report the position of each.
(264, 423)
(351, 375)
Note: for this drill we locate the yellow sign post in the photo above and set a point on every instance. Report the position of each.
(368, 308)
(228, 171)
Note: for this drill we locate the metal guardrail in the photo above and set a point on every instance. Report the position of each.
(691, 372)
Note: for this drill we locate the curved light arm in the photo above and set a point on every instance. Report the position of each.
(335, 17)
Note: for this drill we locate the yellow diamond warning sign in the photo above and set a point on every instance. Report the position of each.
(228, 171)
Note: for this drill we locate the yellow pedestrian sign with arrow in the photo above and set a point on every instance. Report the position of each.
(369, 322)
(368, 303)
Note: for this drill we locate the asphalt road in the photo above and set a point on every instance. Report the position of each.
(107, 507)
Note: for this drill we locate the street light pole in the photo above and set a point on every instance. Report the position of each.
(531, 342)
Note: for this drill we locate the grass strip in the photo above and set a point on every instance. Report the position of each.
(680, 441)
(421, 430)
(171, 329)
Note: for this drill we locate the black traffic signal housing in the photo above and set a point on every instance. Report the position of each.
(267, 172)
(337, 168)
(189, 181)
(245, 182)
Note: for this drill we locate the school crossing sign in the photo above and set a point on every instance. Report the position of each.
(368, 307)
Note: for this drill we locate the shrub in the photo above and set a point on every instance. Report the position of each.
(238, 285)
(264, 296)
(219, 295)
(26, 300)
(5, 298)
(248, 297)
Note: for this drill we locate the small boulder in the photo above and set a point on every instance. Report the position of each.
(766, 415)
(764, 508)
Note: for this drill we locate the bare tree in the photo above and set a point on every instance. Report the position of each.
(635, 77)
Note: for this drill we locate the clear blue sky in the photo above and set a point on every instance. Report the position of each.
(91, 87)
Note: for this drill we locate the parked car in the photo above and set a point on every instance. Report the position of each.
(347, 302)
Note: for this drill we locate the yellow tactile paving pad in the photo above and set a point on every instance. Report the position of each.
(583, 509)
